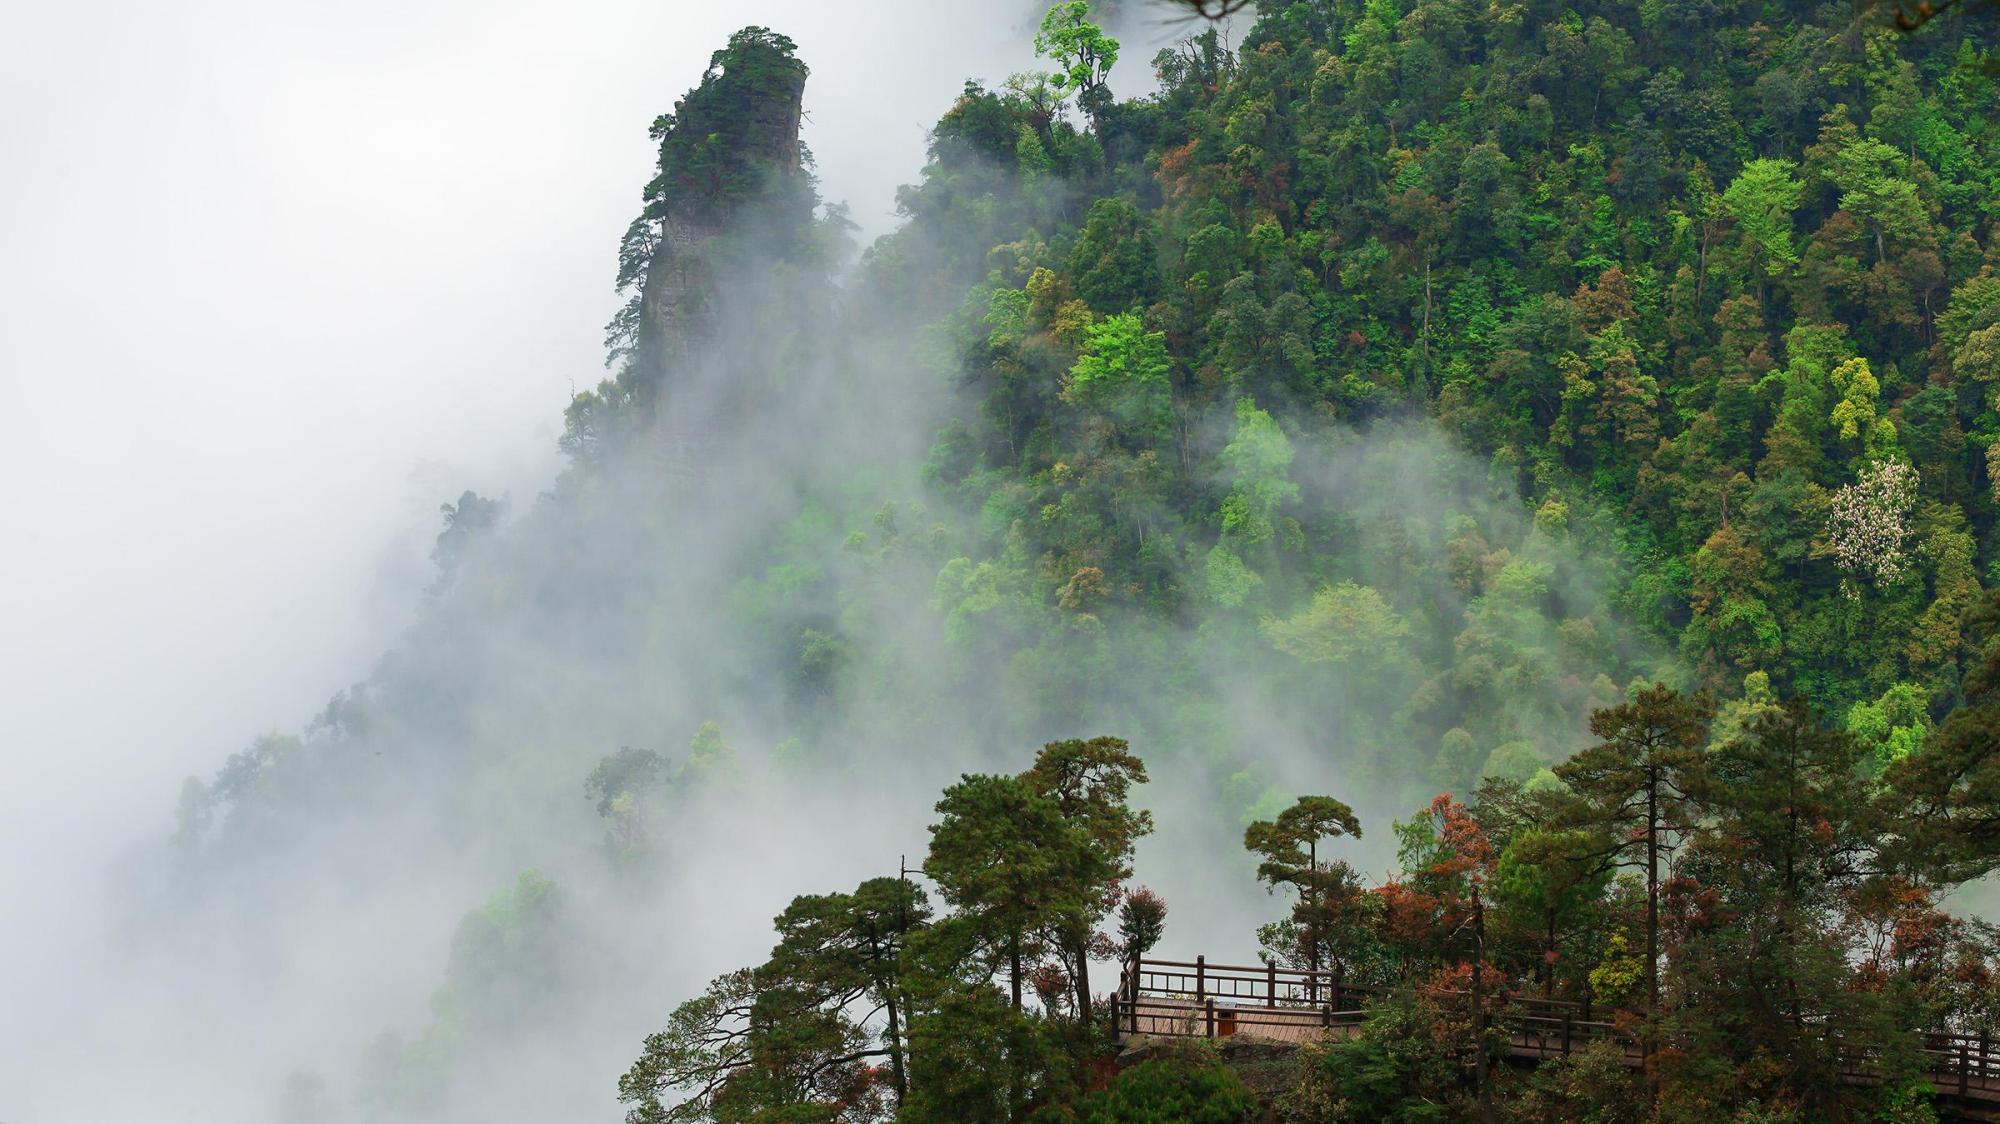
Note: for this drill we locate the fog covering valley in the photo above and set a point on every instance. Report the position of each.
(309, 910)
(776, 549)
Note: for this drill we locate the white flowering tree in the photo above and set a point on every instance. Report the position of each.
(1870, 521)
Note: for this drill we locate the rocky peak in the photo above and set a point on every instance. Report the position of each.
(732, 188)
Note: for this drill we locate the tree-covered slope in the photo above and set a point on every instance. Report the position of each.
(1359, 411)
(1712, 284)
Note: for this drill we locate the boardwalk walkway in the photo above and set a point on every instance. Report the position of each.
(1173, 998)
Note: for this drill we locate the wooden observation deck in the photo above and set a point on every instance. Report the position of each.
(1197, 999)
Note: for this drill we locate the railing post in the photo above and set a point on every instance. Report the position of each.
(1271, 984)
(1964, 1068)
(1566, 1031)
(1200, 978)
(1114, 1008)
(1339, 973)
(1208, 1008)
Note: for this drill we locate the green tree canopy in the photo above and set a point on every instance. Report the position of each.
(1082, 52)
(1287, 848)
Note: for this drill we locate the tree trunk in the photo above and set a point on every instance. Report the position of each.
(895, 1047)
(1082, 954)
(887, 987)
(1423, 388)
(1549, 954)
(1796, 1008)
(1700, 268)
(1652, 925)
(1652, 890)
(1312, 900)
(1480, 1082)
(1014, 967)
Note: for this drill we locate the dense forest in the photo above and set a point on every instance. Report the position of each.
(1789, 941)
(1579, 424)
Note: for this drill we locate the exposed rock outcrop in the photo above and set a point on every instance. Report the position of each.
(732, 197)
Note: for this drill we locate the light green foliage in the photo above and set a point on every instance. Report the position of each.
(1007, 315)
(1230, 582)
(1082, 52)
(1552, 517)
(1762, 199)
(1734, 717)
(1854, 415)
(1974, 308)
(1031, 154)
(1619, 976)
(1894, 725)
(1874, 184)
(1257, 459)
(1253, 799)
(1514, 761)
(1120, 358)
(988, 598)
(710, 757)
(1952, 787)
(1345, 624)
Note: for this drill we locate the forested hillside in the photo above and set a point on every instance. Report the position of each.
(1388, 392)
(1711, 285)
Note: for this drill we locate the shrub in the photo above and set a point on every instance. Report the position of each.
(1171, 1091)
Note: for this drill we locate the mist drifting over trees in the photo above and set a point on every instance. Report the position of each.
(1490, 502)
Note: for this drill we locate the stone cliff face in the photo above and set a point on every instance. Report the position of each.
(676, 319)
(732, 197)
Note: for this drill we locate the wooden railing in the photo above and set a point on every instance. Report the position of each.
(1194, 998)
(1965, 1065)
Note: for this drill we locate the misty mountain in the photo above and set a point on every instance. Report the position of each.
(1359, 412)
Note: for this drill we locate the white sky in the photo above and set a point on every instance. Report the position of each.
(279, 278)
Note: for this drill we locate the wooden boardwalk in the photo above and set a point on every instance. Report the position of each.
(1196, 999)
